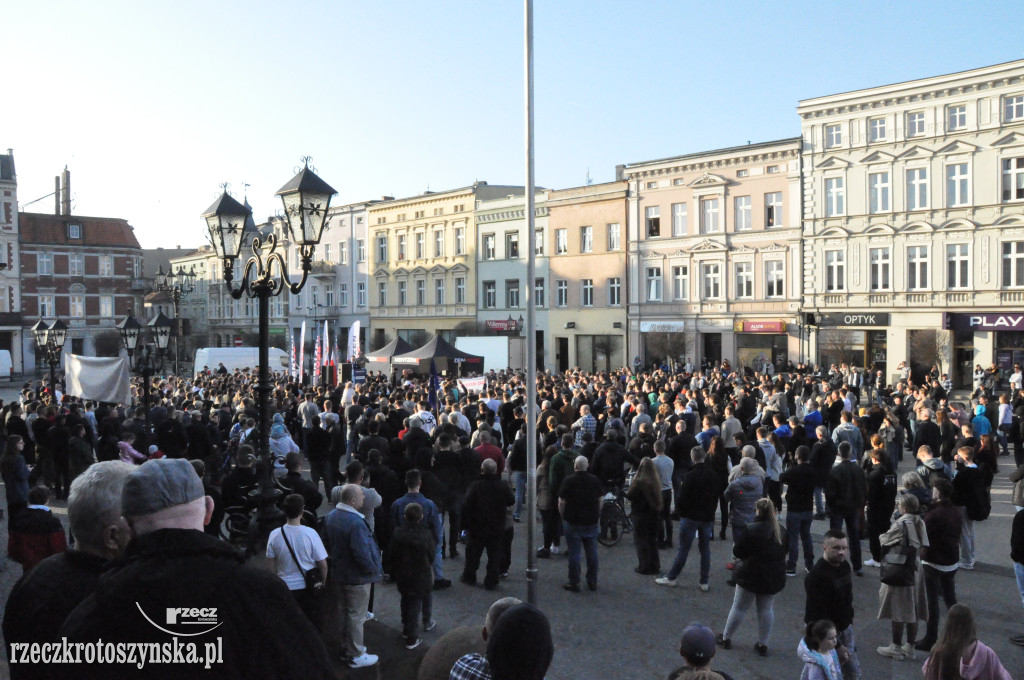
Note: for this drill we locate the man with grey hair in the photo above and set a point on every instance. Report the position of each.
(579, 504)
(170, 565)
(484, 513)
(44, 597)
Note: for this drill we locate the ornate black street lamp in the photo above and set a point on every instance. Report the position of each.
(147, 365)
(178, 284)
(50, 343)
(306, 199)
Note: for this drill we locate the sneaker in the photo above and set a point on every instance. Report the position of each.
(370, 616)
(503, 575)
(790, 571)
(871, 563)
(859, 572)
(413, 644)
(572, 587)
(363, 660)
(555, 550)
(704, 587)
(892, 650)
(908, 651)
(723, 642)
(544, 553)
(968, 567)
(430, 625)
(819, 515)
(442, 583)
(515, 518)
(666, 581)
(761, 649)
(807, 570)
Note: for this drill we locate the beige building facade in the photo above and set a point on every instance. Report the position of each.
(715, 257)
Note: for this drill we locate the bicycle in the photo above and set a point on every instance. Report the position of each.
(614, 520)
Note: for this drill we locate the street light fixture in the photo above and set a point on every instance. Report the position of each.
(306, 199)
(178, 284)
(131, 333)
(50, 343)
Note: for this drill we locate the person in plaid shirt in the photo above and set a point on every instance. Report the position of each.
(585, 423)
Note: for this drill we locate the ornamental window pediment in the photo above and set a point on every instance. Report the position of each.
(833, 163)
(916, 151)
(957, 147)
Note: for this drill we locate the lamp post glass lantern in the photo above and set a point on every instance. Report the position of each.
(50, 343)
(178, 284)
(146, 365)
(306, 199)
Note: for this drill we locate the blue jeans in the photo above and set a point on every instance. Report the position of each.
(819, 500)
(1018, 571)
(519, 480)
(577, 536)
(851, 669)
(798, 527)
(852, 520)
(688, 529)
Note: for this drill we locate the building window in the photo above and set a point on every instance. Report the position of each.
(342, 252)
(382, 294)
(438, 243)
(106, 265)
(653, 214)
(742, 207)
(917, 189)
(512, 245)
(76, 264)
(403, 252)
(956, 117)
(490, 295)
(709, 223)
(958, 265)
(835, 197)
(75, 231)
(587, 292)
(44, 264)
(915, 123)
(1013, 179)
(512, 293)
(438, 291)
(382, 249)
(1013, 264)
(876, 129)
(681, 282)
(957, 185)
(744, 280)
(360, 250)
(917, 267)
(586, 239)
(833, 136)
(880, 261)
(711, 274)
(329, 294)
(46, 306)
(343, 295)
(614, 292)
(488, 247)
(561, 293)
(561, 241)
(421, 293)
(654, 284)
(421, 245)
(327, 252)
(679, 219)
(775, 279)
(773, 210)
(403, 293)
(361, 294)
(460, 240)
(77, 305)
(538, 292)
(538, 242)
(772, 169)
(106, 306)
(460, 290)
(1013, 108)
(835, 271)
(878, 192)
(614, 236)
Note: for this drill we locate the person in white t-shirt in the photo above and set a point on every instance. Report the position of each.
(309, 554)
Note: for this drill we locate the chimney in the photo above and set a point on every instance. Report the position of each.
(66, 198)
(56, 195)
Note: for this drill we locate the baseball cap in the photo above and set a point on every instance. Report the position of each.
(697, 644)
(159, 484)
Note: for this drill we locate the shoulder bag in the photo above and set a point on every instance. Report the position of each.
(899, 563)
(314, 581)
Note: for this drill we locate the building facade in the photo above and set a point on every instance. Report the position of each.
(585, 292)
(10, 265)
(715, 256)
(914, 222)
(423, 263)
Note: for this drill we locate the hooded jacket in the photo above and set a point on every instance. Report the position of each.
(979, 663)
(818, 666)
(743, 493)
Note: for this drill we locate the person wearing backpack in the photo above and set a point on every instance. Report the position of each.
(970, 493)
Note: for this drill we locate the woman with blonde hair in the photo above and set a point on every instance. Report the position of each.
(645, 496)
(759, 575)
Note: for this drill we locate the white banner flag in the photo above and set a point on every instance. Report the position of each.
(353, 342)
(98, 378)
(476, 385)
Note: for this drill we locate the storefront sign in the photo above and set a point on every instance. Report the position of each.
(983, 322)
(853, 319)
(760, 327)
(662, 326)
(502, 325)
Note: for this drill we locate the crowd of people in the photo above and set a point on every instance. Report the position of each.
(412, 475)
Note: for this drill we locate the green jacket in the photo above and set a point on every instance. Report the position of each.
(561, 466)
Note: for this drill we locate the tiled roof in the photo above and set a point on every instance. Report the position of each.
(96, 231)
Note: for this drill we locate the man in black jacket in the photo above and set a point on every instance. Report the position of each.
(800, 481)
(940, 557)
(829, 588)
(823, 455)
(484, 512)
(928, 433)
(579, 504)
(845, 493)
(970, 494)
(698, 500)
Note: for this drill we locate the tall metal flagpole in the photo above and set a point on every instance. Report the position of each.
(531, 334)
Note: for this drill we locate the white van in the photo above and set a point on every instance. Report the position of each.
(6, 365)
(240, 358)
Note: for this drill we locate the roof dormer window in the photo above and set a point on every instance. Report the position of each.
(75, 231)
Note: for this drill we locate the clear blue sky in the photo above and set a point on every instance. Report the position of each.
(153, 104)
